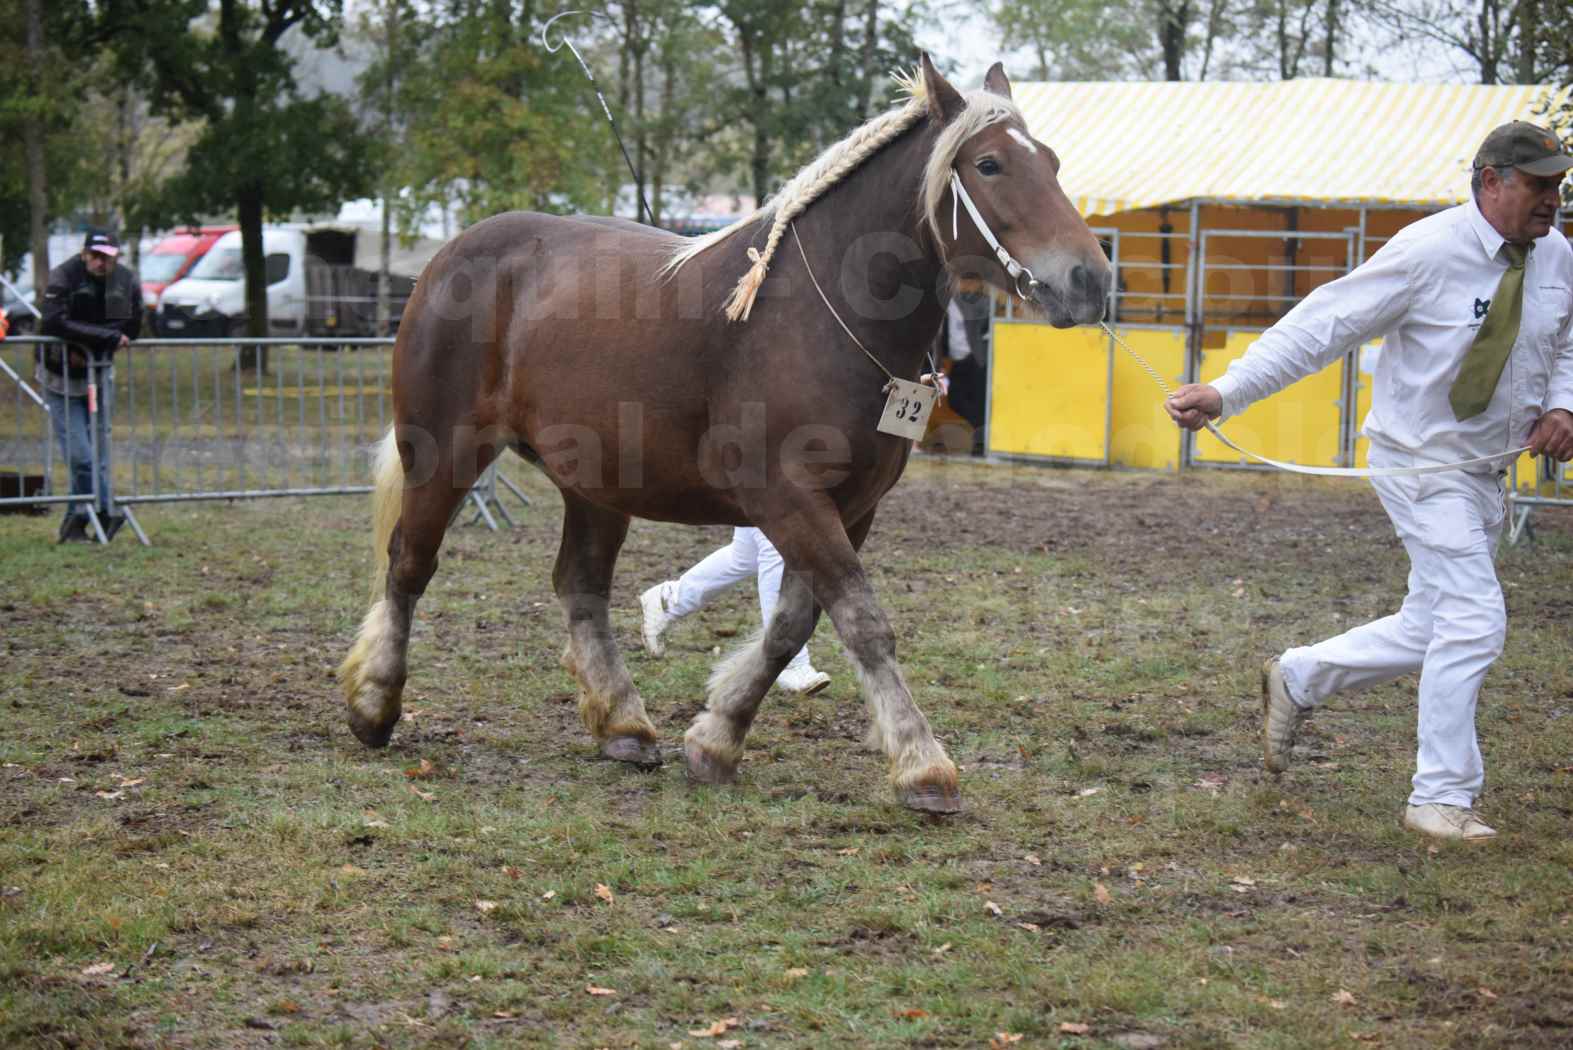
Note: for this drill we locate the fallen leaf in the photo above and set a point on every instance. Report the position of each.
(377, 824)
(1344, 997)
(942, 949)
(729, 1044)
(485, 907)
(912, 1014)
(1075, 1028)
(596, 990)
(352, 871)
(1243, 880)
(548, 895)
(425, 796)
(424, 771)
(1276, 1004)
(131, 783)
(1003, 1039)
(850, 851)
(1033, 859)
(502, 1015)
(797, 971)
(110, 795)
(511, 871)
(992, 908)
(98, 969)
(1486, 993)
(603, 891)
(1030, 927)
(721, 1027)
(1087, 792)
(1101, 894)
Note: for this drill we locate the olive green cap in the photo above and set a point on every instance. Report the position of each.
(1532, 150)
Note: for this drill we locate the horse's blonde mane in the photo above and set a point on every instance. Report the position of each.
(837, 162)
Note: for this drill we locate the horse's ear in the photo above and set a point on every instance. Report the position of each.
(944, 101)
(996, 81)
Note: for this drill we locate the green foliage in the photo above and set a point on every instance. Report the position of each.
(56, 101)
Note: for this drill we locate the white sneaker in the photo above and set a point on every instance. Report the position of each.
(1281, 718)
(1448, 822)
(655, 602)
(804, 680)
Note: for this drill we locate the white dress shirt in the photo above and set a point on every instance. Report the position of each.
(1424, 293)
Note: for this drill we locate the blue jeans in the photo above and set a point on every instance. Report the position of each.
(71, 420)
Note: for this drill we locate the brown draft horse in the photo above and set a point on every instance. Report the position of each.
(599, 350)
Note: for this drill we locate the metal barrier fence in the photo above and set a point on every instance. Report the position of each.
(1552, 487)
(196, 420)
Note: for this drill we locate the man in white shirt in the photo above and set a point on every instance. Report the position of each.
(1475, 309)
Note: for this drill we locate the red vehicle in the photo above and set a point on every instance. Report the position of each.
(172, 257)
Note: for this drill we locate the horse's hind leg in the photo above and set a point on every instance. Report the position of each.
(609, 704)
(713, 745)
(410, 523)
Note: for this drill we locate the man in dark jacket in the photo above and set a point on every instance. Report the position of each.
(94, 305)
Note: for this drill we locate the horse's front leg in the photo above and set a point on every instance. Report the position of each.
(820, 548)
(713, 745)
(609, 704)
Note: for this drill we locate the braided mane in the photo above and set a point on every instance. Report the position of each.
(840, 160)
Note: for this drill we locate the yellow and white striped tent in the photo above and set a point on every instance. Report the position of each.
(1125, 146)
(1225, 203)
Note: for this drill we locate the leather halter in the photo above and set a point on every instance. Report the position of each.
(1016, 270)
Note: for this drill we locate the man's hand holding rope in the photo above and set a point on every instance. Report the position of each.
(1193, 404)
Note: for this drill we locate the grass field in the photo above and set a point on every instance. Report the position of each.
(194, 852)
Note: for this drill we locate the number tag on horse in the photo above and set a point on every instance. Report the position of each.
(907, 409)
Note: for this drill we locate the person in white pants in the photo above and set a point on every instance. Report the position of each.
(1475, 308)
(749, 554)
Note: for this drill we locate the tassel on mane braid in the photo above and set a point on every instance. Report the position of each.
(836, 163)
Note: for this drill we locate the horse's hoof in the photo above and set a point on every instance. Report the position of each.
(634, 750)
(705, 768)
(930, 798)
(372, 732)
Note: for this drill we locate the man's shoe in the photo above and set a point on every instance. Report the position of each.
(654, 604)
(112, 524)
(1448, 822)
(804, 680)
(1281, 718)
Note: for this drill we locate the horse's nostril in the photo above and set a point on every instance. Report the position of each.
(1083, 284)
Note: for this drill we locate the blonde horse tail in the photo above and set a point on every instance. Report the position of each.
(386, 498)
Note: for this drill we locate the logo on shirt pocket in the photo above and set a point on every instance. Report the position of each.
(1482, 307)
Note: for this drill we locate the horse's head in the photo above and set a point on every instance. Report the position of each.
(988, 180)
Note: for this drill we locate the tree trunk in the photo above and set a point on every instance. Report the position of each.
(249, 214)
(870, 45)
(1528, 40)
(1172, 20)
(1331, 28)
(33, 143)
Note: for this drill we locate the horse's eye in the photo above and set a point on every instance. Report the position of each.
(988, 166)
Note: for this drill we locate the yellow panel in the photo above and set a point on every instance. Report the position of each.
(1298, 425)
(1049, 391)
(1143, 435)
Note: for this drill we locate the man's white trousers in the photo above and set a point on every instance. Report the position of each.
(1450, 628)
(749, 554)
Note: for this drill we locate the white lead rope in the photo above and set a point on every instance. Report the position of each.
(1323, 472)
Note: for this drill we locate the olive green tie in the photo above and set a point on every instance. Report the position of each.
(1477, 379)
